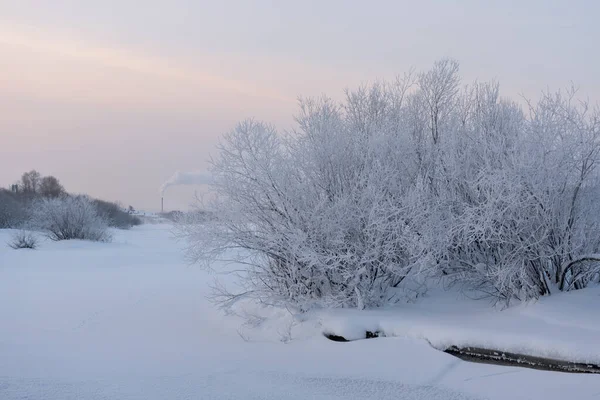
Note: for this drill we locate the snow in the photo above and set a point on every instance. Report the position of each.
(564, 326)
(130, 320)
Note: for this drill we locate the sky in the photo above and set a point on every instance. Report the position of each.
(114, 96)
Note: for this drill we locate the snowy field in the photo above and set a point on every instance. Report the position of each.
(130, 320)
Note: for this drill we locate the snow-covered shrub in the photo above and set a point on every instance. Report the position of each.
(522, 198)
(418, 177)
(23, 240)
(69, 217)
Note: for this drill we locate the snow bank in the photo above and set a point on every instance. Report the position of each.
(565, 326)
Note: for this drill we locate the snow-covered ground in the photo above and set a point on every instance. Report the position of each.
(130, 320)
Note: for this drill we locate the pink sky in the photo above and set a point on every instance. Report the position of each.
(113, 98)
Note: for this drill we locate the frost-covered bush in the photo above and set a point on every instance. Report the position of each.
(23, 240)
(527, 222)
(420, 177)
(69, 217)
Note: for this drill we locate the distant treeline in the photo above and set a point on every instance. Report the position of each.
(17, 201)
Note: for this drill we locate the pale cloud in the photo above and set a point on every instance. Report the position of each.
(29, 50)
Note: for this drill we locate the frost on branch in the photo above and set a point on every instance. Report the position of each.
(404, 181)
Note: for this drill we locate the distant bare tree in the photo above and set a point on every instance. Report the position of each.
(51, 187)
(30, 182)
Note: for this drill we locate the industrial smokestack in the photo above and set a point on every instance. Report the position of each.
(162, 204)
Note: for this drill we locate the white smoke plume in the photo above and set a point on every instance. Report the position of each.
(186, 178)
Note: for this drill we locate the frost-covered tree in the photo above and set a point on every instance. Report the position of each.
(405, 180)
